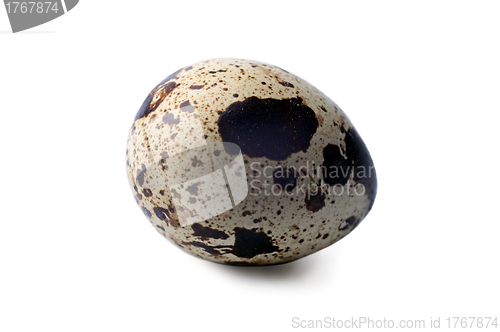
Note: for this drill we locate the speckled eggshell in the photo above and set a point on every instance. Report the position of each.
(289, 133)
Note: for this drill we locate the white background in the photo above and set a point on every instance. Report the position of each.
(420, 80)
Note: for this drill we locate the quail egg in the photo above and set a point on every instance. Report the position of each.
(241, 162)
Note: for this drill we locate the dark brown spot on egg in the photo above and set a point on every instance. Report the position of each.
(287, 84)
(187, 107)
(147, 192)
(364, 170)
(146, 212)
(195, 162)
(193, 189)
(175, 193)
(196, 87)
(207, 232)
(251, 242)
(282, 69)
(140, 175)
(357, 221)
(286, 178)
(164, 155)
(348, 222)
(169, 119)
(315, 201)
(336, 168)
(156, 97)
(209, 249)
(269, 128)
(170, 216)
(161, 213)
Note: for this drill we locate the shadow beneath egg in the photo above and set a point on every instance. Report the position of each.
(312, 269)
(297, 270)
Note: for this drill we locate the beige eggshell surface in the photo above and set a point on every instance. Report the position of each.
(241, 162)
